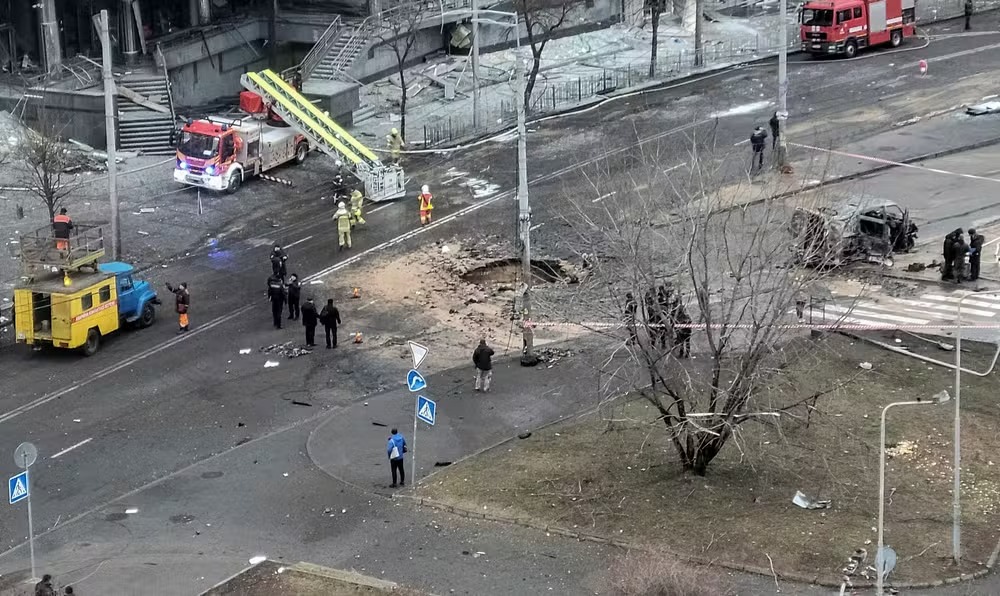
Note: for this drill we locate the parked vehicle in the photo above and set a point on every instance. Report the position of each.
(220, 153)
(842, 27)
(69, 300)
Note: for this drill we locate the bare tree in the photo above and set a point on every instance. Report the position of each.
(44, 160)
(703, 258)
(541, 19)
(656, 8)
(399, 28)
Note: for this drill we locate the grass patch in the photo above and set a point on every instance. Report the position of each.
(616, 474)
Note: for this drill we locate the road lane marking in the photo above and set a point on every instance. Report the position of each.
(895, 163)
(72, 447)
(127, 362)
(298, 241)
(377, 209)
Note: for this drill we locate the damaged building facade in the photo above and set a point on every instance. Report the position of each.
(183, 58)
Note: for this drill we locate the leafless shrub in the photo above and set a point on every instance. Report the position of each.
(651, 574)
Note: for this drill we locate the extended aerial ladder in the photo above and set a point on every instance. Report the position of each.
(382, 181)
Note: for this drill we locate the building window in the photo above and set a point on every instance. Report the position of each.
(104, 294)
(87, 301)
(857, 12)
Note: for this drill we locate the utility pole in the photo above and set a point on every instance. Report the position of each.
(475, 64)
(272, 35)
(699, 51)
(112, 137)
(528, 357)
(782, 157)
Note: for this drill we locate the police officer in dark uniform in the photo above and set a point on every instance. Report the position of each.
(276, 294)
(976, 241)
(757, 141)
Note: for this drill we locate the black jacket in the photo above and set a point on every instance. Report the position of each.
(330, 316)
(294, 290)
(976, 244)
(275, 290)
(309, 315)
(758, 137)
(483, 358)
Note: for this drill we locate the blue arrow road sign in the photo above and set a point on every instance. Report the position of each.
(426, 410)
(17, 487)
(415, 381)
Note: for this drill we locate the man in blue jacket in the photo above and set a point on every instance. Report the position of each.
(395, 449)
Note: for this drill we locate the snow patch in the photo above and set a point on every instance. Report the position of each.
(747, 108)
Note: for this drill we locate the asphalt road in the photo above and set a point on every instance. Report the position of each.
(151, 404)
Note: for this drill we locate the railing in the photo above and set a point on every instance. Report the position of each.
(320, 48)
(41, 248)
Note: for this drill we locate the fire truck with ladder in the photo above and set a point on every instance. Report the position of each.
(282, 127)
(842, 27)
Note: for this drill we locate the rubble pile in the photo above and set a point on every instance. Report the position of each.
(287, 349)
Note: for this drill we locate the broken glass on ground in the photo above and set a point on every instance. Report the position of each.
(805, 502)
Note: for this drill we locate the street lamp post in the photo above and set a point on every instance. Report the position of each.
(782, 156)
(956, 504)
(938, 398)
(528, 357)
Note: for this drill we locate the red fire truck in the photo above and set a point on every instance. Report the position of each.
(846, 26)
(220, 153)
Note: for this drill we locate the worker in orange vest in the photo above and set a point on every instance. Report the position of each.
(426, 206)
(61, 227)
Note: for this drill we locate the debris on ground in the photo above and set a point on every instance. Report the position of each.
(270, 364)
(866, 365)
(805, 502)
(916, 267)
(902, 448)
(287, 349)
(245, 350)
(552, 355)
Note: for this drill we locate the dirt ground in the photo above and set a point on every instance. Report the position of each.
(465, 292)
(270, 578)
(617, 474)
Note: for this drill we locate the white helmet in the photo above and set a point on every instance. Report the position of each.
(425, 189)
(339, 163)
(394, 131)
(341, 205)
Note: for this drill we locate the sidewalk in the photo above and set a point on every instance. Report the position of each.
(350, 445)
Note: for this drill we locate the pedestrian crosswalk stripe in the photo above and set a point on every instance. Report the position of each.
(946, 307)
(19, 490)
(954, 301)
(869, 311)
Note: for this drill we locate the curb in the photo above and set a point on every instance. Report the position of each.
(633, 546)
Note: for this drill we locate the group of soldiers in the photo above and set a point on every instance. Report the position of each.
(665, 318)
(956, 249)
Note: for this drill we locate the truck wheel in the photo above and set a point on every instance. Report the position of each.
(148, 316)
(896, 38)
(234, 182)
(851, 49)
(93, 343)
(301, 152)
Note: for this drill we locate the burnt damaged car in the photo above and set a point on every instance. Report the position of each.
(866, 229)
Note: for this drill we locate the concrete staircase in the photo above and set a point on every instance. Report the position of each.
(140, 128)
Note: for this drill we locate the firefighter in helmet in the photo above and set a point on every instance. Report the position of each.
(426, 204)
(356, 201)
(395, 143)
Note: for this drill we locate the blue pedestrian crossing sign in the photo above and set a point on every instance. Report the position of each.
(17, 487)
(426, 410)
(415, 381)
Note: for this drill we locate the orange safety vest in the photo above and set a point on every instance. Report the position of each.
(425, 201)
(61, 225)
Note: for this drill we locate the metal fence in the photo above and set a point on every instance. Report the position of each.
(562, 94)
